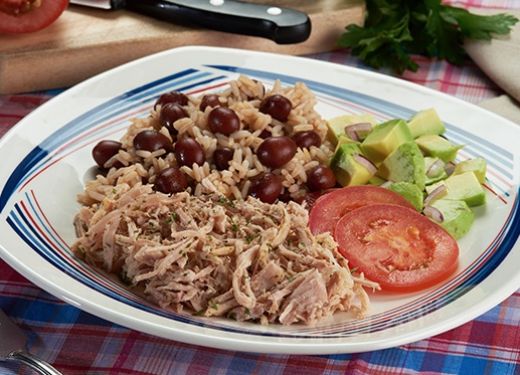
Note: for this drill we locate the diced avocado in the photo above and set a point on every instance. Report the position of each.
(347, 169)
(426, 122)
(351, 148)
(432, 175)
(410, 192)
(429, 189)
(336, 126)
(376, 181)
(405, 164)
(344, 139)
(384, 139)
(477, 166)
(464, 187)
(457, 216)
(436, 146)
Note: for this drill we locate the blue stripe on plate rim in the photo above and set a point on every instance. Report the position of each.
(498, 158)
(34, 159)
(30, 232)
(391, 109)
(38, 158)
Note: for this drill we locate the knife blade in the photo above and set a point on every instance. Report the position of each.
(282, 25)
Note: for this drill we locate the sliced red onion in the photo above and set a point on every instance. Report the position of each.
(435, 168)
(436, 193)
(449, 168)
(366, 163)
(358, 131)
(433, 214)
(351, 134)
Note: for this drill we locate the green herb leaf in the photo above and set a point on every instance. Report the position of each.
(394, 30)
(479, 27)
(213, 305)
(123, 276)
(226, 202)
(174, 216)
(445, 39)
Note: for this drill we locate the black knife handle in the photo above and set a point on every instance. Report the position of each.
(282, 25)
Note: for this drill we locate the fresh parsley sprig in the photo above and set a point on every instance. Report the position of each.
(396, 29)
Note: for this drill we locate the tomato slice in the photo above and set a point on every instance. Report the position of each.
(397, 247)
(24, 16)
(311, 197)
(330, 207)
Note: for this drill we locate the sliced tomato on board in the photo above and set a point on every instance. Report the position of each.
(330, 207)
(397, 247)
(25, 16)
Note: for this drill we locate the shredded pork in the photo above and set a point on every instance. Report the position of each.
(246, 260)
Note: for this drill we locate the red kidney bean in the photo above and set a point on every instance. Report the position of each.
(210, 100)
(104, 150)
(171, 112)
(267, 187)
(285, 196)
(171, 97)
(320, 178)
(275, 152)
(222, 157)
(151, 140)
(171, 180)
(223, 120)
(307, 139)
(265, 134)
(188, 152)
(277, 106)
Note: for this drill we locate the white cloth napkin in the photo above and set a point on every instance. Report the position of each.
(504, 106)
(500, 60)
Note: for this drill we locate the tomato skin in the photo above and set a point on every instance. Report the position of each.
(34, 20)
(311, 197)
(329, 208)
(419, 252)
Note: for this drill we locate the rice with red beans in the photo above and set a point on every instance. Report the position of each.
(213, 249)
(244, 97)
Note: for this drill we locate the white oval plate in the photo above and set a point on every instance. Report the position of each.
(47, 156)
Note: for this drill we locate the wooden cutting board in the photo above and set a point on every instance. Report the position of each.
(84, 42)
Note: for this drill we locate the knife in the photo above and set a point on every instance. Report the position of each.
(282, 25)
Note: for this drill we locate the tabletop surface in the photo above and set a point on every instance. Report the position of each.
(79, 343)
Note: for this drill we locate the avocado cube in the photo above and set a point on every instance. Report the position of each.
(430, 188)
(343, 149)
(347, 169)
(464, 186)
(336, 125)
(344, 139)
(457, 216)
(477, 166)
(376, 181)
(436, 146)
(411, 192)
(405, 164)
(432, 178)
(426, 122)
(384, 139)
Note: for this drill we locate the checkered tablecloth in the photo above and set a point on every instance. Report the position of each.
(79, 343)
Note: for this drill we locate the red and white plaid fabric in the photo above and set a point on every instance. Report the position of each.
(79, 343)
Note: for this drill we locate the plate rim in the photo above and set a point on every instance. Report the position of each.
(234, 343)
